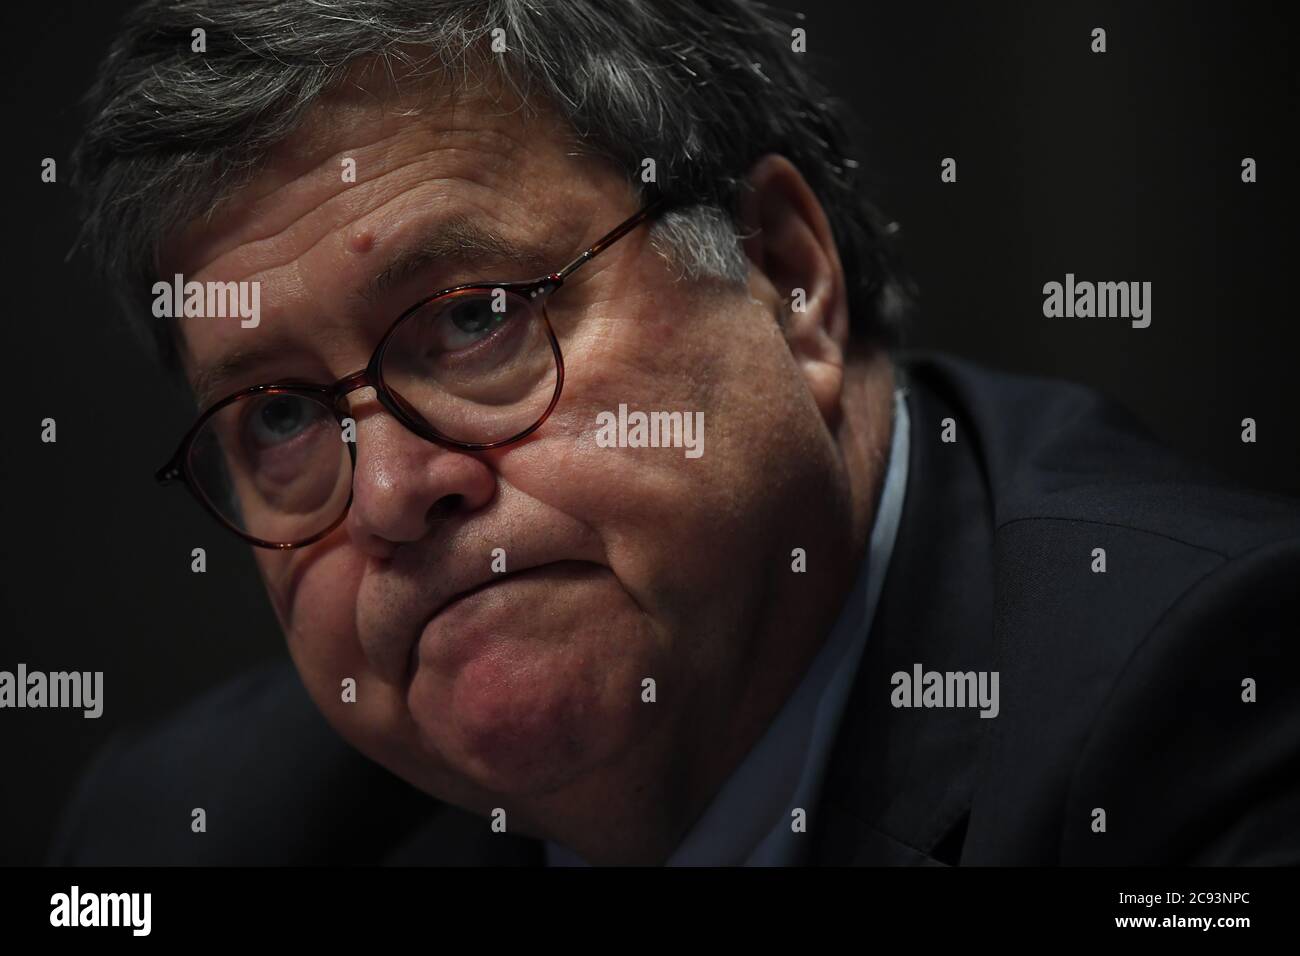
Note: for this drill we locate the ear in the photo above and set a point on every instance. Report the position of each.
(795, 268)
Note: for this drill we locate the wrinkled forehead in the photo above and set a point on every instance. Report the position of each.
(365, 128)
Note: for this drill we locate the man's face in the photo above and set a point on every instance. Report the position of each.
(622, 564)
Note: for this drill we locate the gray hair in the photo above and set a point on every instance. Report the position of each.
(704, 86)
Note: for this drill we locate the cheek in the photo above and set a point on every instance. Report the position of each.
(678, 530)
(317, 602)
(314, 594)
(536, 698)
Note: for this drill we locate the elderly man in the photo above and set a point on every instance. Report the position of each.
(603, 520)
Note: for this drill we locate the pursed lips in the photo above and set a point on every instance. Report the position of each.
(490, 580)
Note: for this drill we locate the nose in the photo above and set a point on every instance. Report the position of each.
(402, 485)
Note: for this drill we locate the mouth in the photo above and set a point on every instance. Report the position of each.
(556, 570)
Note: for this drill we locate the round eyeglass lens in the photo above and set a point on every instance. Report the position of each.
(478, 366)
(273, 464)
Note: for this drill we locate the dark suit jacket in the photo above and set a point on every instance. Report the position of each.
(1120, 690)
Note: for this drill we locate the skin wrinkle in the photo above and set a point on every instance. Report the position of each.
(388, 305)
(383, 234)
(530, 700)
(286, 235)
(327, 118)
(216, 264)
(447, 241)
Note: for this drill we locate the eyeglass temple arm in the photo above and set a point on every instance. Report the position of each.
(168, 473)
(607, 240)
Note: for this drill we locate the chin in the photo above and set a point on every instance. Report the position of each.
(527, 718)
(525, 686)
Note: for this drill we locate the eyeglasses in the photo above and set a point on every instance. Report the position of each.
(472, 368)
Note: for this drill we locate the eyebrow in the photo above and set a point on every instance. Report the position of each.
(457, 240)
(208, 379)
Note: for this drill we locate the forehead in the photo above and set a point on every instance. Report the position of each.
(381, 127)
(375, 165)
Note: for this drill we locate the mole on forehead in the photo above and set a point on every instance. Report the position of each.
(481, 128)
(274, 206)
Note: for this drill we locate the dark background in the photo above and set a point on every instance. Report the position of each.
(1121, 166)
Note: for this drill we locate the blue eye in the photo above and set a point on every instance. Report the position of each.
(460, 335)
(464, 322)
(279, 418)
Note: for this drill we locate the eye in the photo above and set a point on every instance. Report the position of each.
(462, 322)
(279, 418)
